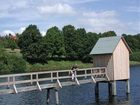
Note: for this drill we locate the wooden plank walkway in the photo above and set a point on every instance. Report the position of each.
(15, 83)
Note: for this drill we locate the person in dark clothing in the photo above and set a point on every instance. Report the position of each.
(74, 70)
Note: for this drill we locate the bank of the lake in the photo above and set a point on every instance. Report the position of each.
(134, 63)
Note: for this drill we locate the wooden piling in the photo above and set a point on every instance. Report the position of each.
(114, 91)
(109, 89)
(128, 86)
(48, 96)
(57, 96)
(97, 89)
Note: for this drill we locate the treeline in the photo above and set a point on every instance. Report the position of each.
(66, 44)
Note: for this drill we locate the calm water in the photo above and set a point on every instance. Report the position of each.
(83, 95)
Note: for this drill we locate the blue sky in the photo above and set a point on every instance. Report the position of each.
(122, 16)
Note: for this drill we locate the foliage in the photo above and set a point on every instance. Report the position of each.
(66, 44)
(11, 63)
(54, 41)
(7, 42)
(32, 48)
(135, 56)
(133, 41)
(69, 39)
(108, 34)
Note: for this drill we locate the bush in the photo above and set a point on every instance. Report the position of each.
(135, 56)
(11, 64)
(87, 59)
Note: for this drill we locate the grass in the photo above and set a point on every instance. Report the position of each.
(133, 63)
(57, 65)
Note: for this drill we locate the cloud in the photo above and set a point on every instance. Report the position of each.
(59, 9)
(101, 21)
(7, 32)
(78, 1)
(21, 29)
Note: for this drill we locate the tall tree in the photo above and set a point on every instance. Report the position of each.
(55, 42)
(69, 39)
(80, 42)
(31, 47)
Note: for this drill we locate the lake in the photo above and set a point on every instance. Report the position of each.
(81, 95)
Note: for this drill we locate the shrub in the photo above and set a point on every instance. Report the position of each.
(11, 63)
(135, 56)
(87, 59)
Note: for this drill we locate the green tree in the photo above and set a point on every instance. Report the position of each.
(31, 46)
(69, 39)
(80, 42)
(55, 42)
(108, 34)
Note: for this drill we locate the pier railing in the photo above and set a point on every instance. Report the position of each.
(15, 83)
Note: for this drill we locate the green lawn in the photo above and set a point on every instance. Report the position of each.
(134, 63)
(57, 65)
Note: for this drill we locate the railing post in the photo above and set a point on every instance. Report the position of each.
(14, 85)
(57, 75)
(8, 80)
(51, 77)
(31, 76)
(85, 73)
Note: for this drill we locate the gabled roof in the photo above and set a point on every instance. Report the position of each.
(107, 45)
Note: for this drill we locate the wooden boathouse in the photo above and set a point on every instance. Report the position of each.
(111, 64)
(113, 53)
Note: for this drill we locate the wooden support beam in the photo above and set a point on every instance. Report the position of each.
(15, 89)
(59, 84)
(77, 82)
(128, 86)
(93, 79)
(38, 86)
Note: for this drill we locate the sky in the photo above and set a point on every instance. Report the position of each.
(121, 16)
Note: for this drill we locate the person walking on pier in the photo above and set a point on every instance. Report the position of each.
(74, 71)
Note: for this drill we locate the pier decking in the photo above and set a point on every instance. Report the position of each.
(15, 83)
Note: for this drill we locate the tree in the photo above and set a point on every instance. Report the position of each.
(108, 34)
(69, 39)
(32, 48)
(55, 42)
(80, 42)
(91, 41)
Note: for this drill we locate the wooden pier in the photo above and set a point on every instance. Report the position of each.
(50, 79)
(15, 83)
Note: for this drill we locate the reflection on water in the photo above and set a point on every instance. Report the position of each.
(80, 95)
(113, 100)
